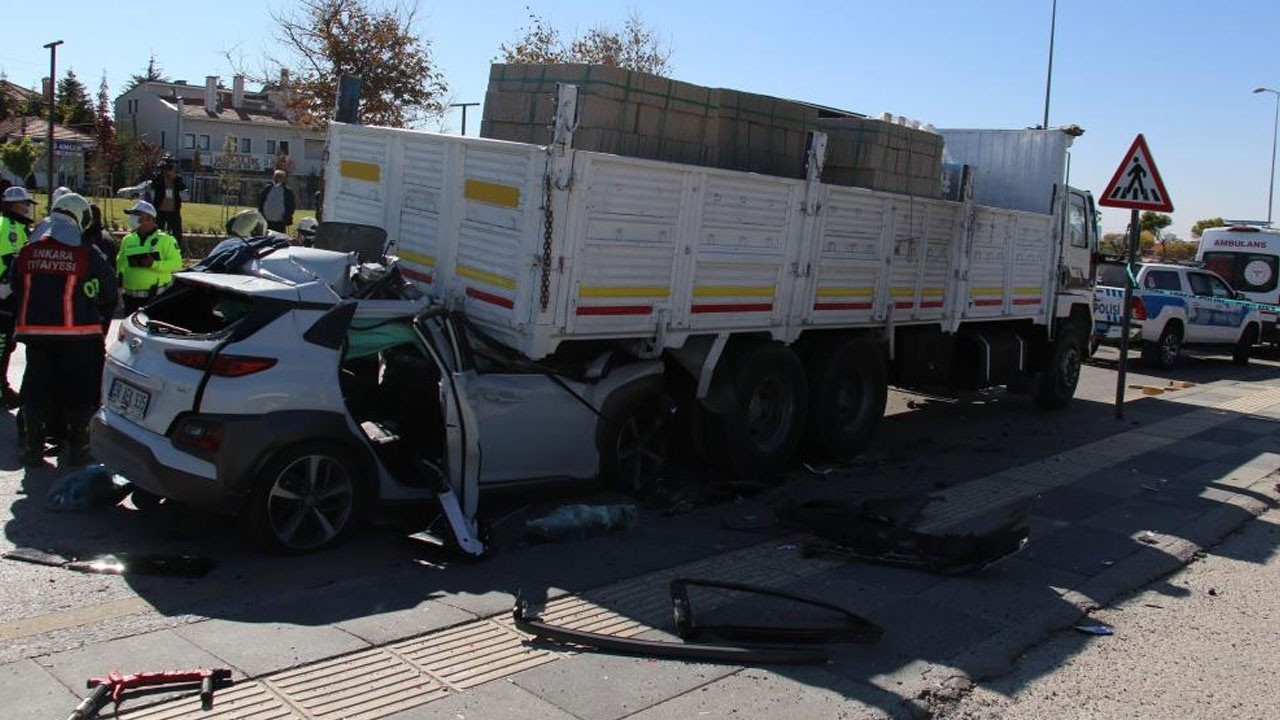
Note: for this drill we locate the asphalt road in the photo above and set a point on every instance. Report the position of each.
(1198, 644)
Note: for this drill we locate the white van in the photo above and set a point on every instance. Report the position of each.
(1249, 258)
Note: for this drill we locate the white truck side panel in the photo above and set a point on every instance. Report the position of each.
(658, 251)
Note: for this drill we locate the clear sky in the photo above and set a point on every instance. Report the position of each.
(1179, 71)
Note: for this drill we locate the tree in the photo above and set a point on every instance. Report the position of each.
(400, 82)
(73, 109)
(1153, 223)
(1180, 250)
(106, 148)
(19, 156)
(1117, 244)
(153, 73)
(1201, 225)
(635, 47)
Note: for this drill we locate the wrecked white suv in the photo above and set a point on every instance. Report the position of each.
(309, 388)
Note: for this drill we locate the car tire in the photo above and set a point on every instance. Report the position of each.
(1244, 348)
(848, 389)
(635, 436)
(1165, 352)
(762, 431)
(306, 498)
(1057, 380)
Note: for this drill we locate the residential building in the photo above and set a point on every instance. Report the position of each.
(227, 141)
(69, 146)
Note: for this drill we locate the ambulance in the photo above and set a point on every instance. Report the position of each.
(1248, 257)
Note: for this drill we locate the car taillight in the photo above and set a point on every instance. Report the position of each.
(223, 365)
(199, 434)
(1139, 310)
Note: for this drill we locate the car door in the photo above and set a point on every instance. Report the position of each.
(1205, 313)
(532, 424)
(1229, 314)
(462, 431)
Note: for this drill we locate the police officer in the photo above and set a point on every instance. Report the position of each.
(147, 259)
(62, 286)
(15, 224)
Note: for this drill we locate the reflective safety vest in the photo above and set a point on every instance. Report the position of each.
(166, 258)
(13, 235)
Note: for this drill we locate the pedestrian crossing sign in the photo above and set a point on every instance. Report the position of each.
(1137, 184)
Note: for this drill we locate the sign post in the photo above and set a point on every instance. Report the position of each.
(1136, 185)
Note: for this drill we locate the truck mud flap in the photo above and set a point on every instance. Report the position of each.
(860, 531)
(656, 649)
(850, 628)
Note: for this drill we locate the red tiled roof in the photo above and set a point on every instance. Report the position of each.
(36, 129)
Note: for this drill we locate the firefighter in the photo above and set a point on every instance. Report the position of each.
(15, 224)
(147, 259)
(62, 287)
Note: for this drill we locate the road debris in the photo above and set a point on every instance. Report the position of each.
(576, 522)
(187, 566)
(1096, 629)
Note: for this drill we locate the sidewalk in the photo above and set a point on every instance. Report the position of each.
(1109, 516)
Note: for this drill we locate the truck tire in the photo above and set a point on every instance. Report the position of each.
(635, 436)
(848, 389)
(1244, 348)
(1056, 383)
(764, 428)
(1165, 352)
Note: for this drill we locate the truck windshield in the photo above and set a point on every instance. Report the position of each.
(1249, 272)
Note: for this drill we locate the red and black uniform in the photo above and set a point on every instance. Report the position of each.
(63, 293)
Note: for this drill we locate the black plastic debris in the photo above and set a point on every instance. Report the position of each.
(1096, 629)
(186, 566)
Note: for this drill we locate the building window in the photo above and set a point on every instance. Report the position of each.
(246, 145)
(271, 147)
(163, 140)
(189, 141)
(132, 107)
(204, 142)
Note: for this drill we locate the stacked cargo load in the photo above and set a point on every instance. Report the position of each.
(635, 114)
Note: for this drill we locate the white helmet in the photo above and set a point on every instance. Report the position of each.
(307, 227)
(247, 224)
(60, 191)
(75, 207)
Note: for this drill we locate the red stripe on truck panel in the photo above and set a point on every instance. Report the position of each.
(415, 275)
(1026, 301)
(988, 302)
(842, 306)
(615, 310)
(490, 298)
(931, 304)
(734, 307)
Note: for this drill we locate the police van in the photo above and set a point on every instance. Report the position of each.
(1248, 257)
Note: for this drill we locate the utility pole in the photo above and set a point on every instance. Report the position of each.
(1048, 82)
(464, 107)
(53, 91)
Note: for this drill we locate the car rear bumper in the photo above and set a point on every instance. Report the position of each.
(187, 480)
(1109, 334)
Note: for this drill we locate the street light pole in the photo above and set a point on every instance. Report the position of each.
(464, 107)
(1271, 187)
(1048, 81)
(53, 92)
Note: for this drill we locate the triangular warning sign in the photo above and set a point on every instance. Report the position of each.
(1137, 184)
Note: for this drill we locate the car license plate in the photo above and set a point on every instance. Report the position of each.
(128, 400)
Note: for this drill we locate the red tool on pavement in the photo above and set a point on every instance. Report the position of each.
(115, 684)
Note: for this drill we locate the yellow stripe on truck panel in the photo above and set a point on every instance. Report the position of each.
(845, 292)
(356, 170)
(733, 291)
(1026, 291)
(491, 193)
(902, 292)
(623, 291)
(486, 277)
(932, 292)
(986, 291)
(419, 258)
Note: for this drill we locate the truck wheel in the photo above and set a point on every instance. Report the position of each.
(847, 393)
(761, 433)
(307, 498)
(1166, 351)
(635, 437)
(1057, 381)
(1244, 348)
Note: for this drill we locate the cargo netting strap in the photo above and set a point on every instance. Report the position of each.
(545, 289)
